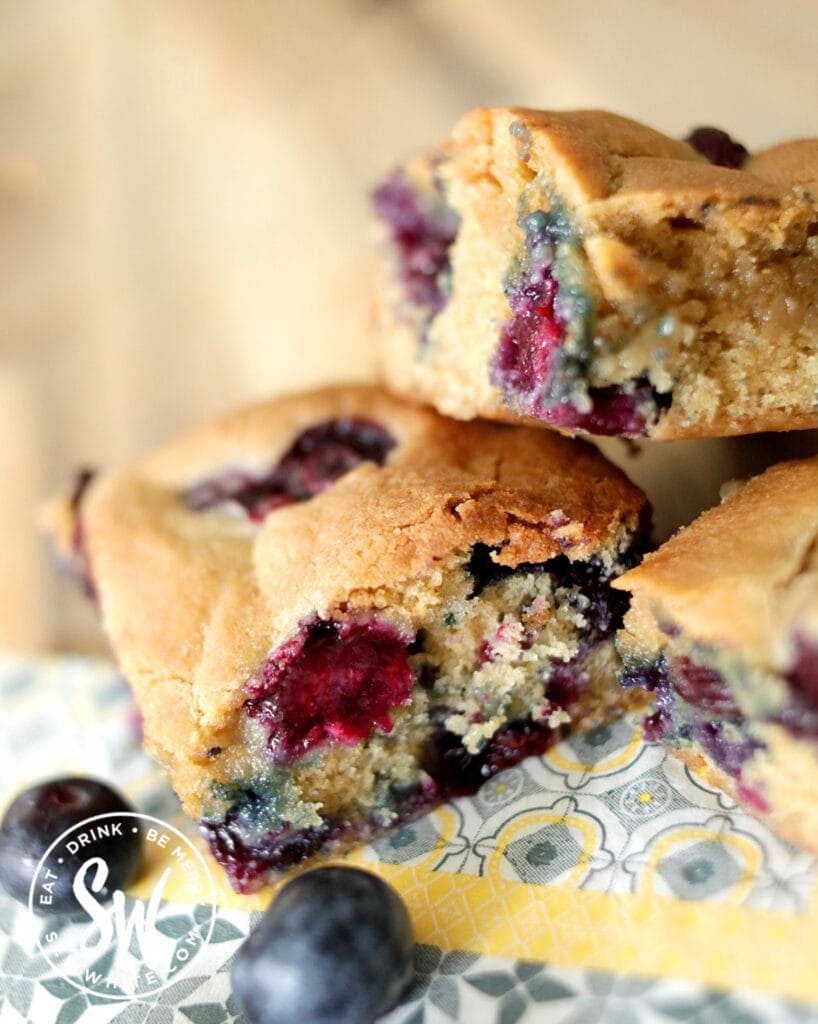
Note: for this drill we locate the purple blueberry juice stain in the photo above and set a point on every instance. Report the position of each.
(803, 676)
(251, 859)
(752, 797)
(728, 753)
(335, 682)
(704, 689)
(536, 374)
(457, 772)
(716, 146)
(249, 862)
(317, 458)
(618, 410)
(800, 714)
(605, 606)
(653, 678)
(423, 229)
(694, 702)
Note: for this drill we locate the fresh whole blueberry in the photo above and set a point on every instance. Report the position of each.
(335, 947)
(41, 814)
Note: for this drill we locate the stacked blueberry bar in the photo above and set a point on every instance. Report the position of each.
(337, 610)
(585, 272)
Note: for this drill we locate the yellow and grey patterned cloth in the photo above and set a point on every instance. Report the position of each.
(602, 882)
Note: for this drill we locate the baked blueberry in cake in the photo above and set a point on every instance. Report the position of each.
(723, 629)
(337, 610)
(585, 272)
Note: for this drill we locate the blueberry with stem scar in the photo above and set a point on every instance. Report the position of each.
(40, 815)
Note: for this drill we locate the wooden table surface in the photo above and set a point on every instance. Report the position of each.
(183, 212)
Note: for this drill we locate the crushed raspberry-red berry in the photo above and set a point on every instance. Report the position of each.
(335, 682)
(532, 337)
(531, 367)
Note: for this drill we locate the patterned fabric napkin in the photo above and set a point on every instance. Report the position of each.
(602, 882)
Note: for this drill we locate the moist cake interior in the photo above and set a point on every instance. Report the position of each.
(710, 697)
(618, 308)
(406, 697)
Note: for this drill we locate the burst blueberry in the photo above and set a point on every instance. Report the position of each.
(319, 456)
(333, 682)
(532, 366)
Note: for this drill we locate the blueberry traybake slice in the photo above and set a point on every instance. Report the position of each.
(723, 628)
(586, 272)
(337, 610)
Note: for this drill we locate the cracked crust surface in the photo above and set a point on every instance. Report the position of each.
(704, 279)
(193, 602)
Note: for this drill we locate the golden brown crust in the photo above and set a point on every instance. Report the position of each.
(730, 255)
(193, 602)
(744, 575)
(787, 164)
(739, 588)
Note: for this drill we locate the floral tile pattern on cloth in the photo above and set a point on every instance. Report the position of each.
(646, 826)
(602, 882)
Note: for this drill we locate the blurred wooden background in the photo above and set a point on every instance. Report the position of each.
(183, 214)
